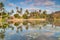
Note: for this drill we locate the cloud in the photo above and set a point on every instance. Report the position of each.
(44, 3)
(38, 2)
(32, 9)
(21, 3)
(26, 2)
(2, 0)
(49, 3)
(56, 6)
(11, 4)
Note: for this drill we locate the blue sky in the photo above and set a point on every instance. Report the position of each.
(49, 5)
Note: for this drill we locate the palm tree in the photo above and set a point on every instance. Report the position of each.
(17, 10)
(39, 11)
(1, 5)
(44, 14)
(27, 12)
(21, 10)
(12, 11)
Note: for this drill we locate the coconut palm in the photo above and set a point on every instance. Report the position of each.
(10, 13)
(1, 5)
(39, 11)
(44, 12)
(17, 9)
(44, 15)
(27, 12)
(20, 10)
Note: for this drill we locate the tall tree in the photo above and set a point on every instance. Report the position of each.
(21, 10)
(27, 12)
(10, 13)
(17, 10)
(39, 11)
(1, 5)
(44, 12)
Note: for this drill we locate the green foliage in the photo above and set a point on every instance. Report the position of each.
(17, 24)
(25, 23)
(10, 22)
(1, 5)
(5, 25)
(17, 16)
(3, 20)
(35, 15)
(25, 16)
(44, 12)
(42, 16)
(4, 15)
(27, 12)
(37, 22)
(2, 35)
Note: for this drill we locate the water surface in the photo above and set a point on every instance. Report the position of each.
(30, 30)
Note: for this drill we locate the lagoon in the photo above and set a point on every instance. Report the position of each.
(30, 30)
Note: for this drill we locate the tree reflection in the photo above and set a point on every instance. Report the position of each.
(5, 25)
(0, 26)
(20, 27)
(25, 22)
(27, 27)
(2, 35)
(16, 24)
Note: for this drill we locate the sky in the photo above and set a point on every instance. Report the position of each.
(31, 5)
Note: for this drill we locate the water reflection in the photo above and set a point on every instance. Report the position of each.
(30, 30)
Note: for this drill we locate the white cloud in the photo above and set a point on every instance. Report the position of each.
(38, 2)
(56, 6)
(25, 2)
(32, 9)
(21, 3)
(49, 3)
(2, 0)
(11, 4)
(44, 2)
